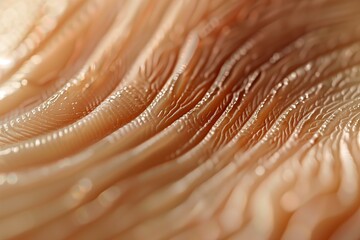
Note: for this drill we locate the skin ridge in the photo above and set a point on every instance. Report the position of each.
(184, 120)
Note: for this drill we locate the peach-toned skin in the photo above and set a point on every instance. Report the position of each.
(153, 119)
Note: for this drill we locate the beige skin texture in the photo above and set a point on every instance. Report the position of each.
(189, 119)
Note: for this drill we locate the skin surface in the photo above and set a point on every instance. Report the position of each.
(206, 119)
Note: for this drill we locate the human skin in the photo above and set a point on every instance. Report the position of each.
(205, 119)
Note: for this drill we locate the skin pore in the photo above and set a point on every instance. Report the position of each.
(204, 119)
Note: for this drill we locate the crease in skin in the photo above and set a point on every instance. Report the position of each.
(195, 120)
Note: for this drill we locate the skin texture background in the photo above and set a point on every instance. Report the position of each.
(154, 119)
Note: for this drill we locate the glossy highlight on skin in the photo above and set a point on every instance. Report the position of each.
(204, 119)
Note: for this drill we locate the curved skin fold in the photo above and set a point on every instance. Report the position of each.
(206, 119)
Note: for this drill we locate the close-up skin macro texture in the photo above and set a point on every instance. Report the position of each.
(180, 119)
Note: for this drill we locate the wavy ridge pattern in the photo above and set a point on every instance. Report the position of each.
(188, 119)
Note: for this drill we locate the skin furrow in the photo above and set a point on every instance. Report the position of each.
(153, 119)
